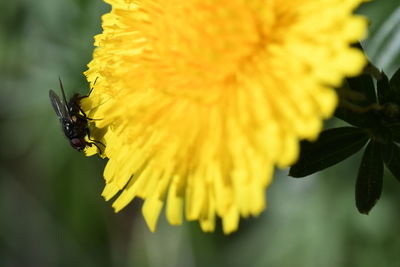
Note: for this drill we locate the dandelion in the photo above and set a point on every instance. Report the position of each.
(199, 100)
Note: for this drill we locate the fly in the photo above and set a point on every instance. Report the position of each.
(73, 119)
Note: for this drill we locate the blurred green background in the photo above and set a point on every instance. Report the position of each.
(51, 211)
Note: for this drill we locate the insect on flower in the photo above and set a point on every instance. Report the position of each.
(73, 119)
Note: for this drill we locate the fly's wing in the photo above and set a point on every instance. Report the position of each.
(64, 99)
(59, 107)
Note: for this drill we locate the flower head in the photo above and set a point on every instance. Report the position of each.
(200, 99)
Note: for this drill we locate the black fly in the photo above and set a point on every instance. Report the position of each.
(73, 119)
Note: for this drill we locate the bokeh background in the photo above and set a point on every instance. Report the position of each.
(51, 211)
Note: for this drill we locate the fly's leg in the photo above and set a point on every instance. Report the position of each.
(91, 89)
(79, 107)
(84, 116)
(94, 142)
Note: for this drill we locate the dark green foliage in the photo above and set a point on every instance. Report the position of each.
(365, 86)
(326, 152)
(395, 81)
(376, 117)
(385, 93)
(357, 100)
(364, 118)
(369, 178)
(394, 131)
(391, 157)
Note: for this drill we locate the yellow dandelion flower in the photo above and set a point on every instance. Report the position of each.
(200, 99)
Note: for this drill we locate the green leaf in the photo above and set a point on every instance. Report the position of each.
(394, 131)
(385, 92)
(357, 116)
(333, 146)
(363, 84)
(395, 82)
(357, 102)
(369, 178)
(383, 45)
(389, 97)
(391, 157)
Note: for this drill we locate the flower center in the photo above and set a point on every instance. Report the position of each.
(196, 45)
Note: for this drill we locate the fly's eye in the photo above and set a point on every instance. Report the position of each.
(78, 144)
